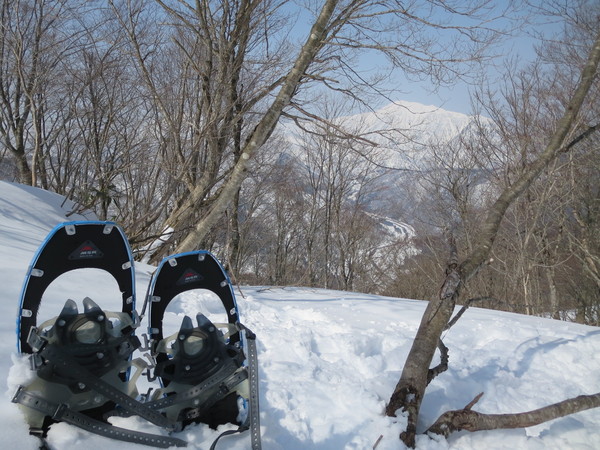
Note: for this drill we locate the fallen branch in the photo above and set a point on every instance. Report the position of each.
(468, 420)
(378, 441)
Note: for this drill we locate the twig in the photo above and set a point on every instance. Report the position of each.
(377, 442)
(464, 309)
(474, 401)
(442, 366)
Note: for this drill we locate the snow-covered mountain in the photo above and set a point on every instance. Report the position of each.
(402, 131)
(329, 360)
(417, 121)
(405, 134)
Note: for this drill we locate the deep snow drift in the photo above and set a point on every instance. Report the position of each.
(329, 360)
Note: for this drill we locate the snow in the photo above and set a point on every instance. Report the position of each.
(403, 115)
(405, 130)
(329, 360)
(398, 125)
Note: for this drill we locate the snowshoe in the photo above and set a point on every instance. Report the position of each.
(82, 361)
(70, 246)
(207, 370)
(83, 367)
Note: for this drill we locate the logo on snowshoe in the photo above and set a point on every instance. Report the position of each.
(189, 276)
(87, 250)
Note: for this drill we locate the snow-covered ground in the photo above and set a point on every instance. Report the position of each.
(329, 360)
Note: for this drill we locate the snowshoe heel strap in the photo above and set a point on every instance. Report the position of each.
(63, 413)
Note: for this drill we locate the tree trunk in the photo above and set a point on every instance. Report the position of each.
(265, 127)
(235, 249)
(410, 390)
(25, 173)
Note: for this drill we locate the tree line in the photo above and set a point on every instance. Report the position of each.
(140, 110)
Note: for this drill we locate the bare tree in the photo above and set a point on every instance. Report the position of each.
(25, 36)
(340, 178)
(340, 32)
(582, 235)
(201, 105)
(409, 391)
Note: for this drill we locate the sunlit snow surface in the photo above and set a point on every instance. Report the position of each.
(329, 360)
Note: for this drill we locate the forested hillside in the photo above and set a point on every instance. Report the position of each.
(214, 125)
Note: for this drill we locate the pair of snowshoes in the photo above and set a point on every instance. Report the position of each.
(84, 369)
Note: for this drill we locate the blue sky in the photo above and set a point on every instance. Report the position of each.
(455, 97)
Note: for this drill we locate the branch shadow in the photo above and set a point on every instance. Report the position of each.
(527, 359)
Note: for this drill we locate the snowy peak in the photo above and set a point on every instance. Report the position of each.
(402, 131)
(413, 120)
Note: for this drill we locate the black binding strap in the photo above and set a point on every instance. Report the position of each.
(63, 413)
(226, 433)
(66, 364)
(253, 421)
(254, 416)
(204, 394)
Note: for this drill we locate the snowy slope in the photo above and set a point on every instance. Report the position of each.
(329, 360)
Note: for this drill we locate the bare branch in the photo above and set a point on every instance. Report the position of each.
(466, 306)
(442, 366)
(468, 420)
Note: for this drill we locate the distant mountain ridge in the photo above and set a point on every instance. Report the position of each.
(406, 134)
(406, 129)
(411, 116)
(402, 130)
